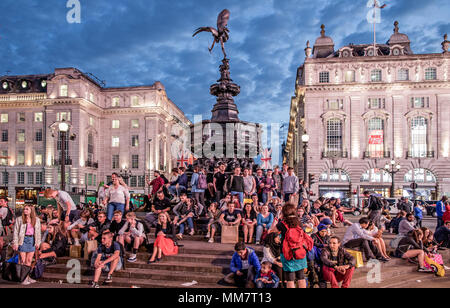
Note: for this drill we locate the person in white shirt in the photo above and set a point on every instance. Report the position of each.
(132, 232)
(65, 203)
(117, 197)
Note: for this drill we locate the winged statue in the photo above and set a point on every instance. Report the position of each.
(221, 34)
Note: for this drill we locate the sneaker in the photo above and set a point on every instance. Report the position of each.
(425, 270)
(211, 240)
(108, 279)
(192, 233)
(26, 282)
(132, 258)
(179, 236)
(208, 235)
(95, 285)
(257, 243)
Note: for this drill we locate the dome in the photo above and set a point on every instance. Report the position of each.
(324, 40)
(398, 38)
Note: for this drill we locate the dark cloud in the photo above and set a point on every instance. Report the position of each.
(141, 41)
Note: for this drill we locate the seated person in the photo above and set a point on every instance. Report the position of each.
(184, 214)
(340, 211)
(107, 258)
(214, 221)
(357, 237)
(249, 221)
(53, 245)
(160, 205)
(272, 254)
(305, 220)
(117, 224)
(78, 230)
(442, 235)
(264, 222)
(321, 238)
(338, 264)
(230, 217)
(223, 204)
(132, 232)
(98, 227)
(395, 222)
(164, 244)
(411, 246)
(267, 279)
(407, 224)
(378, 241)
(244, 267)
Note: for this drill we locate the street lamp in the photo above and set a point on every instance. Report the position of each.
(305, 140)
(125, 174)
(63, 129)
(393, 168)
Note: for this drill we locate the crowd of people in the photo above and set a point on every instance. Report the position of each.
(272, 209)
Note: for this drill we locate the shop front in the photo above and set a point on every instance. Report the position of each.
(341, 192)
(3, 192)
(381, 191)
(425, 193)
(27, 196)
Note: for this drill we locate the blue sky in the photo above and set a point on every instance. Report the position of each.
(141, 41)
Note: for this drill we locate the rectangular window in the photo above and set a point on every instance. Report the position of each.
(20, 177)
(115, 161)
(420, 102)
(38, 117)
(91, 97)
(38, 158)
(39, 178)
(335, 104)
(350, 76)
(135, 161)
(403, 74)
(108, 179)
(21, 117)
(134, 123)
(4, 118)
(91, 121)
(375, 76)
(20, 135)
(377, 103)
(324, 77)
(115, 142)
(5, 178)
(135, 101)
(5, 135)
(135, 141)
(38, 135)
(115, 124)
(4, 158)
(63, 116)
(334, 135)
(115, 102)
(30, 178)
(133, 181)
(63, 90)
(430, 73)
(141, 181)
(21, 157)
(90, 179)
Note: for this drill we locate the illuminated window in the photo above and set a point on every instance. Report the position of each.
(115, 102)
(64, 90)
(334, 135)
(377, 103)
(135, 101)
(21, 135)
(420, 102)
(91, 121)
(350, 76)
(4, 118)
(376, 138)
(38, 117)
(135, 140)
(419, 129)
(335, 104)
(38, 158)
(63, 116)
(376, 176)
(115, 124)
(334, 175)
(403, 74)
(115, 142)
(134, 123)
(21, 157)
(420, 176)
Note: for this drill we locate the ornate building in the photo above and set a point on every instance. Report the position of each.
(114, 129)
(365, 107)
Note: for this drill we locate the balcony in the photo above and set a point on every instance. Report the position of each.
(91, 164)
(335, 154)
(57, 162)
(377, 154)
(411, 154)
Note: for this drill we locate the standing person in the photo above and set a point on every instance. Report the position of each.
(101, 192)
(264, 222)
(66, 206)
(293, 236)
(6, 221)
(269, 187)
(156, 184)
(278, 180)
(27, 237)
(219, 183)
(236, 184)
(117, 198)
(440, 210)
(418, 214)
(199, 185)
(290, 185)
(259, 178)
(249, 184)
(338, 264)
(374, 205)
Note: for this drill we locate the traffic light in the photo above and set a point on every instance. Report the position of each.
(311, 179)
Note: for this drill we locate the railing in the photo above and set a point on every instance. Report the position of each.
(91, 164)
(377, 154)
(22, 97)
(335, 154)
(57, 162)
(429, 154)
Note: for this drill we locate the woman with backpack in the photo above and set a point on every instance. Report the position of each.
(199, 185)
(295, 246)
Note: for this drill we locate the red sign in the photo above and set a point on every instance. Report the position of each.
(376, 137)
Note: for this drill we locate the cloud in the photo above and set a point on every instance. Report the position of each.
(139, 42)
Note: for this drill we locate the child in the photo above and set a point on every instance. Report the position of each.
(267, 279)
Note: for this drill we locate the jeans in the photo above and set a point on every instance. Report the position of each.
(219, 195)
(113, 206)
(189, 222)
(241, 196)
(440, 222)
(262, 285)
(200, 198)
(72, 215)
(265, 197)
(259, 232)
(370, 252)
(107, 265)
(176, 191)
(287, 196)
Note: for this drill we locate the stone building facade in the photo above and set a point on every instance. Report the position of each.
(364, 108)
(114, 128)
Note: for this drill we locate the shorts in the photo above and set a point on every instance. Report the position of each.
(28, 244)
(292, 276)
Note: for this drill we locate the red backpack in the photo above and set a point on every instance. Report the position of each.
(296, 243)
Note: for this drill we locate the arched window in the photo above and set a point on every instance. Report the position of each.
(334, 175)
(376, 176)
(334, 136)
(420, 176)
(419, 129)
(376, 138)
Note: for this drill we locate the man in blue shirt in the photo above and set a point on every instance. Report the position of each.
(440, 210)
(244, 267)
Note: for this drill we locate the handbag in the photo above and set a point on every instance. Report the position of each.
(38, 270)
(89, 246)
(75, 251)
(15, 272)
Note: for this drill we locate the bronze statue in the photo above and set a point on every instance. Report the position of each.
(221, 34)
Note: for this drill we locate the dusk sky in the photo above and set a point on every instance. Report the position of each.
(139, 42)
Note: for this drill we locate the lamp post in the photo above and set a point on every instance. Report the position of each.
(63, 129)
(125, 173)
(393, 168)
(305, 140)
